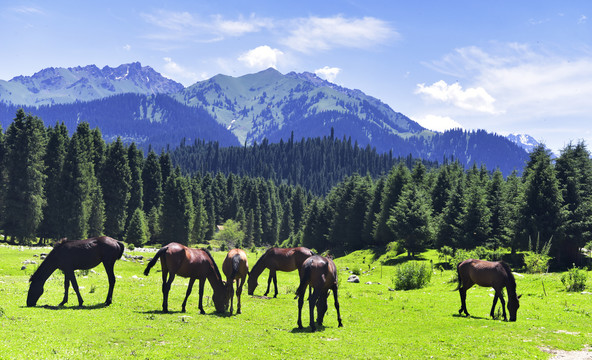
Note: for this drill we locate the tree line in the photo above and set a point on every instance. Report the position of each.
(54, 185)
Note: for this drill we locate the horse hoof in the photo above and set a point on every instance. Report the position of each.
(202, 312)
(340, 325)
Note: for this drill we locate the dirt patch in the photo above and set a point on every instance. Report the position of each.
(585, 354)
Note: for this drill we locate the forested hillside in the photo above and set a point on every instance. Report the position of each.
(55, 185)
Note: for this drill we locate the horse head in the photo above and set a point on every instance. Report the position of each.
(35, 292)
(513, 305)
(220, 299)
(252, 284)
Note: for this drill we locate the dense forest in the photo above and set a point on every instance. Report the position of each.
(54, 185)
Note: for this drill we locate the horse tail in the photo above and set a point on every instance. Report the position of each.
(458, 277)
(121, 249)
(304, 280)
(152, 262)
(235, 266)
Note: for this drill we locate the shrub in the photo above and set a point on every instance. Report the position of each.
(412, 275)
(574, 279)
(356, 271)
(537, 260)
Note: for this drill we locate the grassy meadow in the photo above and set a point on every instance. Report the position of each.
(378, 322)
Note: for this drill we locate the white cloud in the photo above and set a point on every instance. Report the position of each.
(127, 47)
(261, 57)
(582, 19)
(437, 123)
(328, 73)
(475, 99)
(175, 71)
(28, 10)
(316, 33)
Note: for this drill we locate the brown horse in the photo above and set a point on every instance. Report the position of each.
(72, 255)
(275, 259)
(177, 259)
(235, 267)
(320, 274)
(496, 274)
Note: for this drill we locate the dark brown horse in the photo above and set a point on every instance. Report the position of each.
(495, 274)
(72, 255)
(320, 274)
(275, 259)
(177, 259)
(235, 267)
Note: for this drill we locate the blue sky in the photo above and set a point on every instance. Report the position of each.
(502, 66)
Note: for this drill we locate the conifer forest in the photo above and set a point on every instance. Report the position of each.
(323, 193)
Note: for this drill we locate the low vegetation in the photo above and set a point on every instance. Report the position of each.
(378, 322)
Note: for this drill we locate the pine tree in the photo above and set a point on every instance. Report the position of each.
(499, 220)
(475, 222)
(574, 173)
(2, 176)
(177, 210)
(396, 181)
(78, 184)
(450, 232)
(152, 183)
(24, 195)
(55, 155)
(135, 160)
(116, 180)
(540, 212)
(96, 220)
(137, 232)
(410, 219)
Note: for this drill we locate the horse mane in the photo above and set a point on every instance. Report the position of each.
(41, 270)
(213, 262)
(259, 262)
(511, 279)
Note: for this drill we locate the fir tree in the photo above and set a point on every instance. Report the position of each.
(24, 195)
(137, 232)
(116, 180)
(177, 210)
(152, 183)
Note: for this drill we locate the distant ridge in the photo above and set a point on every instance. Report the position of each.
(67, 85)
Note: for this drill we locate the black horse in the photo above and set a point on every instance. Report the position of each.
(72, 255)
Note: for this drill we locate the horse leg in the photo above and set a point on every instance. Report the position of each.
(75, 286)
(337, 305)
(312, 301)
(492, 312)
(230, 283)
(322, 307)
(300, 303)
(275, 284)
(239, 291)
(501, 297)
(463, 301)
(189, 287)
(166, 287)
(111, 277)
(202, 284)
(269, 278)
(66, 289)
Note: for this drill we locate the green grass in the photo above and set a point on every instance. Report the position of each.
(378, 323)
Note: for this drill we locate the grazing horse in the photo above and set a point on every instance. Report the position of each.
(495, 274)
(275, 259)
(320, 274)
(235, 267)
(177, 259)
(72, 255)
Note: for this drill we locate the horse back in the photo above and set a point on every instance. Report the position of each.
(235, 264)
(87, 253)
(483, 273)
(321, 271)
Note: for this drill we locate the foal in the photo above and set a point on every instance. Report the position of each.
(235, 267)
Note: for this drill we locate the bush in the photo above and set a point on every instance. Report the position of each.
(574, 279)
(412, 275)
(536, 260)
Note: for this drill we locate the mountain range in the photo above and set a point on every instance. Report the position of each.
(139, 104)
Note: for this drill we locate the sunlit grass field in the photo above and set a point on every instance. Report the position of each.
(378, 322)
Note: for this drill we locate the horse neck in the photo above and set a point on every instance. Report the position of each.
(258, 268)
(215, 280)
(44, 271)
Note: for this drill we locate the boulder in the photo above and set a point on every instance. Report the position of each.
(353, 279)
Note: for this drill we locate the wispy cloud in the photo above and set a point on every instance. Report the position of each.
(261, 57)
(324, 33)
(582, 19)
(183, 26)
(328, 73)
(28, 10)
